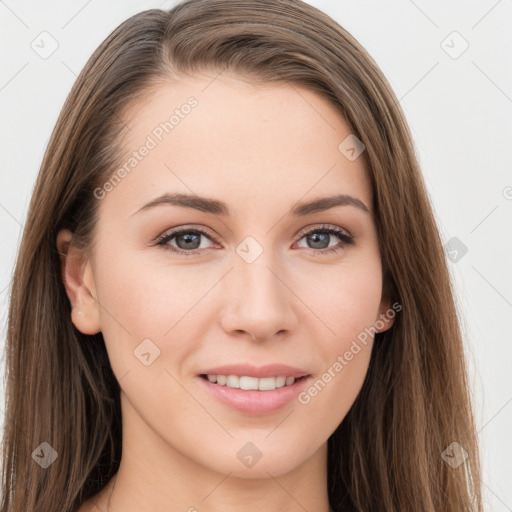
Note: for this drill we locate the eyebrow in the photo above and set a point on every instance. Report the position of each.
(216, 207)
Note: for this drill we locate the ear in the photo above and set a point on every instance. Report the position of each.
(78, 280)
(386, 316)
(387, 313)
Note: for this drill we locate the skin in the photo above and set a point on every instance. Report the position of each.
(260, 149)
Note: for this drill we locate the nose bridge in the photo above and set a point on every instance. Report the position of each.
(259, 299)
(255, 271)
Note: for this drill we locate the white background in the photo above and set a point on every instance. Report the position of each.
(459, 110)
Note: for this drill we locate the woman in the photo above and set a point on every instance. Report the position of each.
(231, 290)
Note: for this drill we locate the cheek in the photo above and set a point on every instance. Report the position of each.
(345, 360)
(349, 307)
(332, 393)
(144, 297)
(353, 310)
(346, 300)
(143, 294)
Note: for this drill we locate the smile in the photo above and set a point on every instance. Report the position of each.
(251, 383)
(255, 396)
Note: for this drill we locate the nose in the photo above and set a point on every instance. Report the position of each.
(259, 302)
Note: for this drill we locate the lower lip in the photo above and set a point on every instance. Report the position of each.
(255, 402)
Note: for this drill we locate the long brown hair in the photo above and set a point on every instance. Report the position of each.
(387, 454)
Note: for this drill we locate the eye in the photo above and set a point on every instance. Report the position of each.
(319, 236)
(188, 240)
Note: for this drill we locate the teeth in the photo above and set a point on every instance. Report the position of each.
(280, 382)
(232, 381)
(290, 380)
(248, 383)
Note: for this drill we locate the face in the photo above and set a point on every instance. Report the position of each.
(203, 259)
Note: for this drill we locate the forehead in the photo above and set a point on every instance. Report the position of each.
(223, 136)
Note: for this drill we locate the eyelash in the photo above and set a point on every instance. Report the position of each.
(325, 229)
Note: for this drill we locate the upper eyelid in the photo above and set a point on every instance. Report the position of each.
(319, 227)
(177, 230)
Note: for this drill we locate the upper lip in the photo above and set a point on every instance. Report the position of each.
(269, 370)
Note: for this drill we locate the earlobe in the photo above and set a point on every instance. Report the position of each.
(386, 317)
(387, 312)
(78, 279)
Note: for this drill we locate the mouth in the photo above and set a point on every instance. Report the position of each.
(248, 383)
(253, 396)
